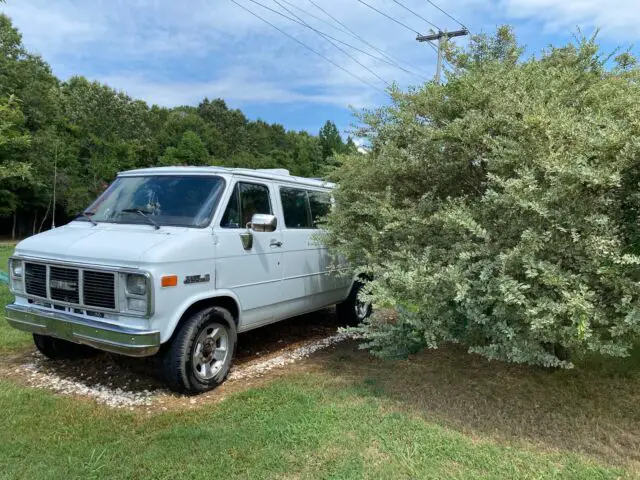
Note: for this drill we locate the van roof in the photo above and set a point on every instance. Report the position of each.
(279, 174)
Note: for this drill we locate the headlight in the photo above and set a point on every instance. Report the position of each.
(16, 267)
(136, 284)
(16, 274)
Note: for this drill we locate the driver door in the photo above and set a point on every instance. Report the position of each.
(253, 275)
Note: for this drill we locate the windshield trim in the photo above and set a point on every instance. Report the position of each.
(80, 218)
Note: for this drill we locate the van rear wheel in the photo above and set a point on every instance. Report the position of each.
(199, 357)
(353, 311)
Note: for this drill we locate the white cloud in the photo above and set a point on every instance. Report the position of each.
(237, 87)
(617, 19)
(171, 53)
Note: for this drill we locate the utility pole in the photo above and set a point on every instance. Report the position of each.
(55, 181)
(440, 36)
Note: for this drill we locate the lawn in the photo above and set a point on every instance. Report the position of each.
(342, 414)
(10, 338)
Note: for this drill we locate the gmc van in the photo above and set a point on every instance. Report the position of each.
(176, 262)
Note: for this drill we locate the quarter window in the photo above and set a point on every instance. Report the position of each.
(320, 204)
(246, 200)
(295, 207)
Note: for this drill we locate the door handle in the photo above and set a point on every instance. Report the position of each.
(275, 243)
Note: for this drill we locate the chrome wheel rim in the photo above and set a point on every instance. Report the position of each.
(362, 309)
(210, 351)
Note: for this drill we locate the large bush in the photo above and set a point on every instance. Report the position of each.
(500, 209)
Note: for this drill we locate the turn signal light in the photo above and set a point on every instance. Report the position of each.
(169, 281)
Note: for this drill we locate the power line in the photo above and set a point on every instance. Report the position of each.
(358, 37)
(309, 48)
(326, 37)
(336, 46)
(418, 15)
(389, 17)
(448, 15)
(315, 16)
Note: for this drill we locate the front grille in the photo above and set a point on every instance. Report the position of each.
(35, 279)
(99, 288)
(72, 286)
(64, 285)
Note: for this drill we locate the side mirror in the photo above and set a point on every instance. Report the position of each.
(262, 222)
(247, 240)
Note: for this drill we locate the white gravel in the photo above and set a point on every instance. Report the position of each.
(39, 375)
(258, 368)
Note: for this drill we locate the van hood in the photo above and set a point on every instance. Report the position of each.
(103, 244)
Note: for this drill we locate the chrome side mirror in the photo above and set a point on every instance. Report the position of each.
(262, 222)
(247, 240)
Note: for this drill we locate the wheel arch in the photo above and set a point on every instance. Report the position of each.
(224, 300)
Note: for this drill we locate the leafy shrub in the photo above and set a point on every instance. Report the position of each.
(500, 209)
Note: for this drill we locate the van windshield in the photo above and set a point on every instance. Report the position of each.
(172, 200)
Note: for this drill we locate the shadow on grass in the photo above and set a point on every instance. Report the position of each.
(593, 409)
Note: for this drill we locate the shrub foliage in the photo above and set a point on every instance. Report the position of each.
(500, 209)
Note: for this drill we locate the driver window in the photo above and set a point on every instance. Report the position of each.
(247, 199)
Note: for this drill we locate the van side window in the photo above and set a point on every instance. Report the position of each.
(295, 208)
(246, 200)
(320, 204)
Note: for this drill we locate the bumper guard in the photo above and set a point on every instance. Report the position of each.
(103, 336)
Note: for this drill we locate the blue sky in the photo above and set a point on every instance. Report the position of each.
(177, 52)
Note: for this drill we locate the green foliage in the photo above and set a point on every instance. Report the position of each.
(189, 151)
(87, 132)
(499, 210)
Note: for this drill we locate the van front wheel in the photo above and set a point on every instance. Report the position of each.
(58, 349)
(199, 357)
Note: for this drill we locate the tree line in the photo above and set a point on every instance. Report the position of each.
(62, 142)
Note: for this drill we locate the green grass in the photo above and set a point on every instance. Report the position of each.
(443, 414)
(11, 340)
(292, 428)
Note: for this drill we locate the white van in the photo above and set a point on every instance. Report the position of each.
(177, 261)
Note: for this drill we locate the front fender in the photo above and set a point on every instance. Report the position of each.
(167, 332)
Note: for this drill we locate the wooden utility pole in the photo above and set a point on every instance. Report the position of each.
(55, 182)
(440, 36)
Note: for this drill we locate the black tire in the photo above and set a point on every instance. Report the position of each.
(58, 349)
(180, 368)
(348, 310)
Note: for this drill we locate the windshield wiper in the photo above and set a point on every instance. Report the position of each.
(143, 213)
(88, 216)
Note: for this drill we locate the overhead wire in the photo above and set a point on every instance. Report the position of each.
(329, 38)
(389, 17)
(418, 15)
(308, 47)
(340, 29)
(415, 73)
(336, 46)
(448, 15)
(404, 25)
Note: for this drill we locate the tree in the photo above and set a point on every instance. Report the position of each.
(86, 132)
(499, 209)
(14, 141)
(189, 151)
(330, 140)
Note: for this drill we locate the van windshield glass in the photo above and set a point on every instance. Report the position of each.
(172, 200)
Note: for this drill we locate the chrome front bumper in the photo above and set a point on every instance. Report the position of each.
(103, 336)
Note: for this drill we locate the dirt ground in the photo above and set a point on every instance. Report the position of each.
(123, 382)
